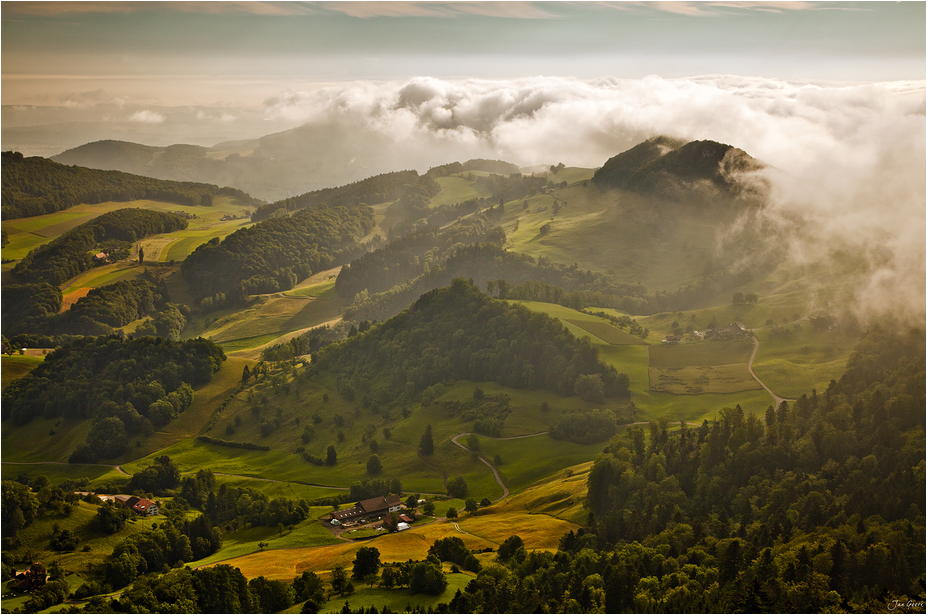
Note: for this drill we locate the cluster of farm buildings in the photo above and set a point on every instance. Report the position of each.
(733, 330)
(368, 510)
(140, 506)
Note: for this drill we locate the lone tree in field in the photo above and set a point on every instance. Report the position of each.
(427, 443)
(457, 487)
(366, 562)
(374, 466)
(141, 255)
(331, 456)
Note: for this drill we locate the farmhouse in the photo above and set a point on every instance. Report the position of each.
(368, 508)
(140, 506)
(672, 339)
(143, 507)
(31, 578)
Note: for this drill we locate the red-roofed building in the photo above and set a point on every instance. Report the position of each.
(143, 507)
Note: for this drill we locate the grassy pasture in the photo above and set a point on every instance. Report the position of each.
(700, 354)
(28, 233)
(697, 379)
(59, 471)
(572, 175)
(561, 495)
(16, 366)
(634, 360)
(82, 522)
(802, 359)
(528, 460)
(309, 533)
(457, 189)
(606, 332)
(622, 233)
(45, 440)
(396, 600)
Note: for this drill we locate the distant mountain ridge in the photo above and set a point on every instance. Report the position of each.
(35, 186)
(667, 168)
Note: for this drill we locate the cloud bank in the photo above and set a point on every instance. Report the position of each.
(849, 158)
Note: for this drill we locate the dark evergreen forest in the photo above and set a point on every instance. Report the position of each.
(36, 186)
(274, 254)
(457, 333)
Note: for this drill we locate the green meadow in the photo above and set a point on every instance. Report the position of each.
(457, 189)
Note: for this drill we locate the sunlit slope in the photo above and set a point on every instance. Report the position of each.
(617, 232)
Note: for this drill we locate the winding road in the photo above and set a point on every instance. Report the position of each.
(756, 348)
(505, 490)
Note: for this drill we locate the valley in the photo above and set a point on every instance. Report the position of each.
(502, 347)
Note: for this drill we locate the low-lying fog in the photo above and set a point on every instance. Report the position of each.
(850, 157)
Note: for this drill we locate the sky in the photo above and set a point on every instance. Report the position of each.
(156, 72)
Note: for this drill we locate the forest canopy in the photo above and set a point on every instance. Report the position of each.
(458, 332)
(71, 253)
(36, 186)
(274, 254)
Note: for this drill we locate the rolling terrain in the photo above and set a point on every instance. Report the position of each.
(523, 323)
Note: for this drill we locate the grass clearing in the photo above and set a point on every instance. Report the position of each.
(16, 366)
(792, 361)
(528, 460)
(457, 189)
(82, 521)
(700, 354)
(606, 332)
(698, 379)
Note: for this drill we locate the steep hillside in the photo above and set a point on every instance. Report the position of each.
(36, 186)
(663, 168)
(617, 171)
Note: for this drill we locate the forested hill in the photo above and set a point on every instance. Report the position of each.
(817, 506)
(456, 333)
(272, 255)
(35, 186)
(380, 188)
(663, 168)
(71, 253)
(126, 386)
(377, 189)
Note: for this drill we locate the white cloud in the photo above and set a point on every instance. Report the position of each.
(852, 156)
(147, 116)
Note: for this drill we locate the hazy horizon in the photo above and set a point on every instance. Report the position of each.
(832, 94)
(205, 73)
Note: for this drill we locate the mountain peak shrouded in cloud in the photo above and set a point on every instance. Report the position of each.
(846, 161)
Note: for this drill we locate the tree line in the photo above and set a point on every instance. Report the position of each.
(412, 255)
(377, 189)
(274, 254)
(36, 186)
(126, 386)
(35, 308)
(458, 332)
(70, 254)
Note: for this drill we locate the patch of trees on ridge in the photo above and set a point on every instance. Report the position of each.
(32, 310)
(486, 262)
(36, 186)
(413, 254)
(458, 332)
(665, 168)
(71, 253)
(370, 191)
(126, 386)
(274, 254)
